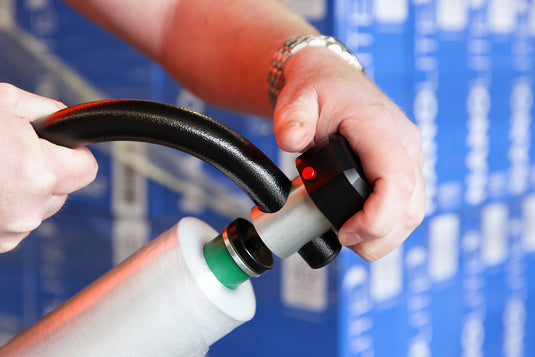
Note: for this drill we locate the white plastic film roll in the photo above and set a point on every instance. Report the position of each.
(162, 301)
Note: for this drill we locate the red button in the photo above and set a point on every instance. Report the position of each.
(309, 173)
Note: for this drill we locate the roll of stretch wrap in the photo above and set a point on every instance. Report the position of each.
(162, 301)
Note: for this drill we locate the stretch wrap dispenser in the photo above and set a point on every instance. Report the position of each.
(190, 132)
(165, 300)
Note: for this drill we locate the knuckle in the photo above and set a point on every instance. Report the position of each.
(416, 135)
(23, 225)
(8, 92)
(414, 217)
(43, 184)
(7, 89)
(380, 110)
(405, 183)
(92, 169)
(376, 229)
(421, 159)
(37, 179)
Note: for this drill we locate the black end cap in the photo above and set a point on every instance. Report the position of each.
(249, 246)
(321, 251)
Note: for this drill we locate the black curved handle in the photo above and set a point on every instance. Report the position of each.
(176, 127)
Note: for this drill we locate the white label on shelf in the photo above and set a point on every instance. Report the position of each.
(129, 187)
(425, 108)
(452, 15)
(129, 234)
(521, 103)
(532, 17)
(494, 227)
(7, 14)
(528, 218)
(302, 287)
(502, 16)
(189, 100)
(478, 105)
(386, 276)
(416, 262)
(355, 284)
(310, 9)
(43, 17)
(391, 12)
(444, 233)
(514, 327)
(472, 336)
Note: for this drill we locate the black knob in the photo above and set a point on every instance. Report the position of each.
(334, 180)
(321, 251)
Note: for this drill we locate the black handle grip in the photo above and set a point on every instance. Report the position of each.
(176, 127)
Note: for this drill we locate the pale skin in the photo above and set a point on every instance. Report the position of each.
(36, 175)
(222, 50)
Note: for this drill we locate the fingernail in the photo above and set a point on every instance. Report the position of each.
(349, 238)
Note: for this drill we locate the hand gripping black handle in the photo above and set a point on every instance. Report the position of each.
(176, 127)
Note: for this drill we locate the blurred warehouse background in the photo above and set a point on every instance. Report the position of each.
(462, 284)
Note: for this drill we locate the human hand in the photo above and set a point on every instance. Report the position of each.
(323, 95)
(36, 175)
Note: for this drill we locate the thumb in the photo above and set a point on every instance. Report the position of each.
(294, 120)
(74, 168)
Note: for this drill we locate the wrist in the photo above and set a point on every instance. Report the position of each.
(314, 52)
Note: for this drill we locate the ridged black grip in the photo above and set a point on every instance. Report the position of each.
(176, 127)
(321, 251)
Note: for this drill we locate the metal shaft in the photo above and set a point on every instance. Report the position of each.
(294, 225)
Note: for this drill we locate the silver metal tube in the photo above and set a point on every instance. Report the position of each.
(295, 224)
(162, 301)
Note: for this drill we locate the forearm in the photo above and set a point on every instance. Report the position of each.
(219, 49)
(222, 50)
(135, 21)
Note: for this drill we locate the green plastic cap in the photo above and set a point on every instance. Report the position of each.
(222, 265)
